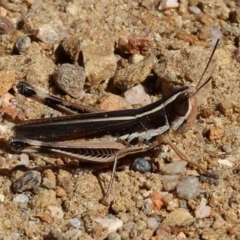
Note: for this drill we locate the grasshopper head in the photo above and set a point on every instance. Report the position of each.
(184, 111)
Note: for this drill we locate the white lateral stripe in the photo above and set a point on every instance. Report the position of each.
(127, 118)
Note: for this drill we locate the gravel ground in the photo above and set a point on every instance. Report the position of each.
(101, 54)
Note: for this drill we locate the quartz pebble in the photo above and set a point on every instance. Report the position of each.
(195, 9)
(24, 159)
(166, 4)
(202, 211)
(175, 168)
(21, 198)
(75, 222)
(225, 162)
(152, 223)
(137, 96)
(188, 188)
(2, 197)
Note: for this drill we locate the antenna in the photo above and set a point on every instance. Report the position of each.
(210, 59)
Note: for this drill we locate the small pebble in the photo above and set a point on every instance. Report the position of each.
(179, 217)
(166, 4)
(2, 197)
(216, 34)
(136, 58)
(218, 223)
(232, 230)
(50, 35)
(6, 25)
(71, 79)
(175, 168)
(49, 179)
(24, 159)
(195, 9)
(140, 225)
(188, 188)
(110, 102)
(141, 165)
(157, 201)
(202, 211)
(60, 192)
(75, 222)
(163, 230)
(137, 96)
(169, 182)
(23, 44)
(113, 236)
(231, 216)
(112, 224)
(44, 198)
(129, 226)
(214, 133)
(28, 181)
(152, 223)
(21, 198)
(72, 234)
(15, 236)
(55, 212)
(227, 147)
(207, 112)
(225, 162)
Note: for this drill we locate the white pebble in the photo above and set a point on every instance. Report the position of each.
(75, 222)
(216, 34)
(169, 182)
(2, 197)
(21, 198)
(137, 95)
(165, 4)
(188, 188)
(195, 9)
(225, 162)
(56, 212)
(112, 224)
(152, 223)
(202, 211)
(136, 58)
(24, 159)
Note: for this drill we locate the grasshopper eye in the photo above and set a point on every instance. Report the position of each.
(16, 144)
(181, 104)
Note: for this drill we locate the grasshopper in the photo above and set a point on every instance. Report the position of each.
(61, 135)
